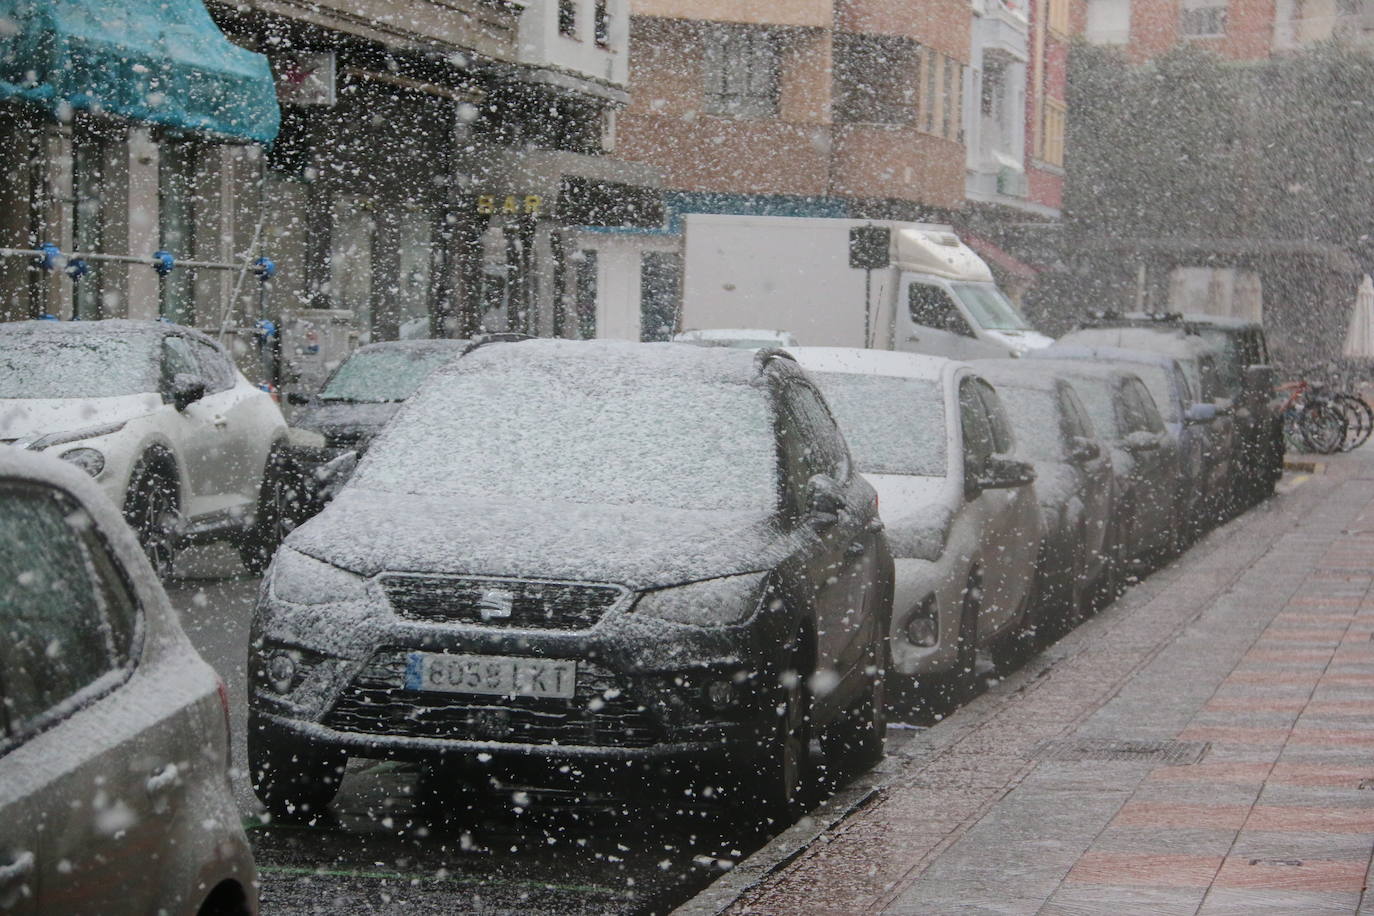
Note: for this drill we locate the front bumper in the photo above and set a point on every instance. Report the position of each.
(914, 582)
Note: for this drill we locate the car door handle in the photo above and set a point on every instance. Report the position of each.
(163, 779)
(21, 866)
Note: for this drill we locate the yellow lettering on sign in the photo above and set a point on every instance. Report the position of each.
(532, 203)
(486, 203)
(510, 206)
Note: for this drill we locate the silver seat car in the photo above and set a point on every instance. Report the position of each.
(114, 734)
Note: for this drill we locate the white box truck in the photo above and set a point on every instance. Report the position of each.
(925, 291)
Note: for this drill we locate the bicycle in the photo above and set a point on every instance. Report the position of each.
(1312, 419)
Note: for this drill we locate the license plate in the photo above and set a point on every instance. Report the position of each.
(493, 675)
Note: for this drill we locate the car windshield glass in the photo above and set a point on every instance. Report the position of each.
(574, 434)
(1096, 396)
(68, 365)
(1156, 379)
(1228, 358)
(1035, 418)
(893, 425)
(989, 307)
(373, 376)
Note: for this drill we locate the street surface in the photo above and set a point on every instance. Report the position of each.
(1201, 746)
(384, 849)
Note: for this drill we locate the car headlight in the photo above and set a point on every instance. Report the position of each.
(299, 579)
(88, 459)
(709, 603)
(920, 536)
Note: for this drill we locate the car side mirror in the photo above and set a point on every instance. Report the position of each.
(1260, 378)
(823, 501)
(1005, 473)
(186, 390)
(1200, 413)
(1142, 440)
(1084, 449)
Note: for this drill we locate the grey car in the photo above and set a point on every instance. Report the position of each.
(114, 734)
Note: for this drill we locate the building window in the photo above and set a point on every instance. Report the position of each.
(931, 94)
(601, 22)
(878, 79)
(1202, 19)
(1059, 16)
(176, 196)
(1052, 132)
(567, 18)
(954, 95)
(741, 72)
(87, 182)
(1109, 22)
(584, 292)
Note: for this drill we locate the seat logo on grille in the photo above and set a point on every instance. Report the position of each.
(496, 603)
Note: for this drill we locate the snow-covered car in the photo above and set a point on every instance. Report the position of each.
(162, 420)
(595, 556)
(1199, 432)
(1073, 482)
(964, 527)
(114, 751)
(1145, 525)
(743, 338)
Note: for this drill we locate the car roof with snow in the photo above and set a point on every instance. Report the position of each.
(1174, 342)
(415, 346)
(624, 358)
(874, 362)
(103, 327)
(1106, 354)
(1018, 373)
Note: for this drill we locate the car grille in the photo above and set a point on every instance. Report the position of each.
(598, 715)
(537, 605)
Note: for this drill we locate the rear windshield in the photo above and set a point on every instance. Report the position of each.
(374, 376)
(550, 433)
(70, 365)
(893, 425)
(1035, 419)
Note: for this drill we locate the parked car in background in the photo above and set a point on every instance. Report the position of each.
(114, 755)
(744, 338)
(1073, 482)
(1144, 527)
(964, 527)
(1199, 365)
(583, 555)
(1246, 377)
(160, 418)
(1204, 468)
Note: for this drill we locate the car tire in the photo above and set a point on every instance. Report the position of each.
(856, 740)
(150, 508)
(291, 777)
(274, 516)
(778, 779)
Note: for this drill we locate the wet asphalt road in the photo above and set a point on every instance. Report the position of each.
(392, 845)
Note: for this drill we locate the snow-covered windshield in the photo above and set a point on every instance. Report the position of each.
(573, 434)
(68, 365)
(893, 425)
(1034, 416)
(989, 307)
(374, 376)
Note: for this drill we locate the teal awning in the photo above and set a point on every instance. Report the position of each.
(163, 61)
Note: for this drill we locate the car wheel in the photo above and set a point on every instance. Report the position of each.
(855, 741)
(289, 776)
(150, 508)
(274, 515)
(779, 778)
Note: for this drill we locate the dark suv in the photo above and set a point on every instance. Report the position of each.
(590, 554)
(1244, 373)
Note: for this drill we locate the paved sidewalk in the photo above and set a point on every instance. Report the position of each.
(1205, 745)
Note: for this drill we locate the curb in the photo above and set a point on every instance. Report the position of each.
(1304, 466)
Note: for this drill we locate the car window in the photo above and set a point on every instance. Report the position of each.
(826, 452)
(1003, 439)
(794, 461)
(977, 432)
(1142, 412)
(68, 623)
(1036, 418)
(177, 359)
(932, 307)
(214, 367)
(1076, 414)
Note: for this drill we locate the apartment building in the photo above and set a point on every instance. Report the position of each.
(789, 107)
(1234, 29)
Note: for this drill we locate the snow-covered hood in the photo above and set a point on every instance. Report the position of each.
(29, 418)
(353, 421)
(368, 531)
(1020, 342)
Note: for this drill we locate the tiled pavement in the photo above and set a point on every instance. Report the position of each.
(1254, 654)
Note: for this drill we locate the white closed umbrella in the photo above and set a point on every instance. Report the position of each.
(1359, 338)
